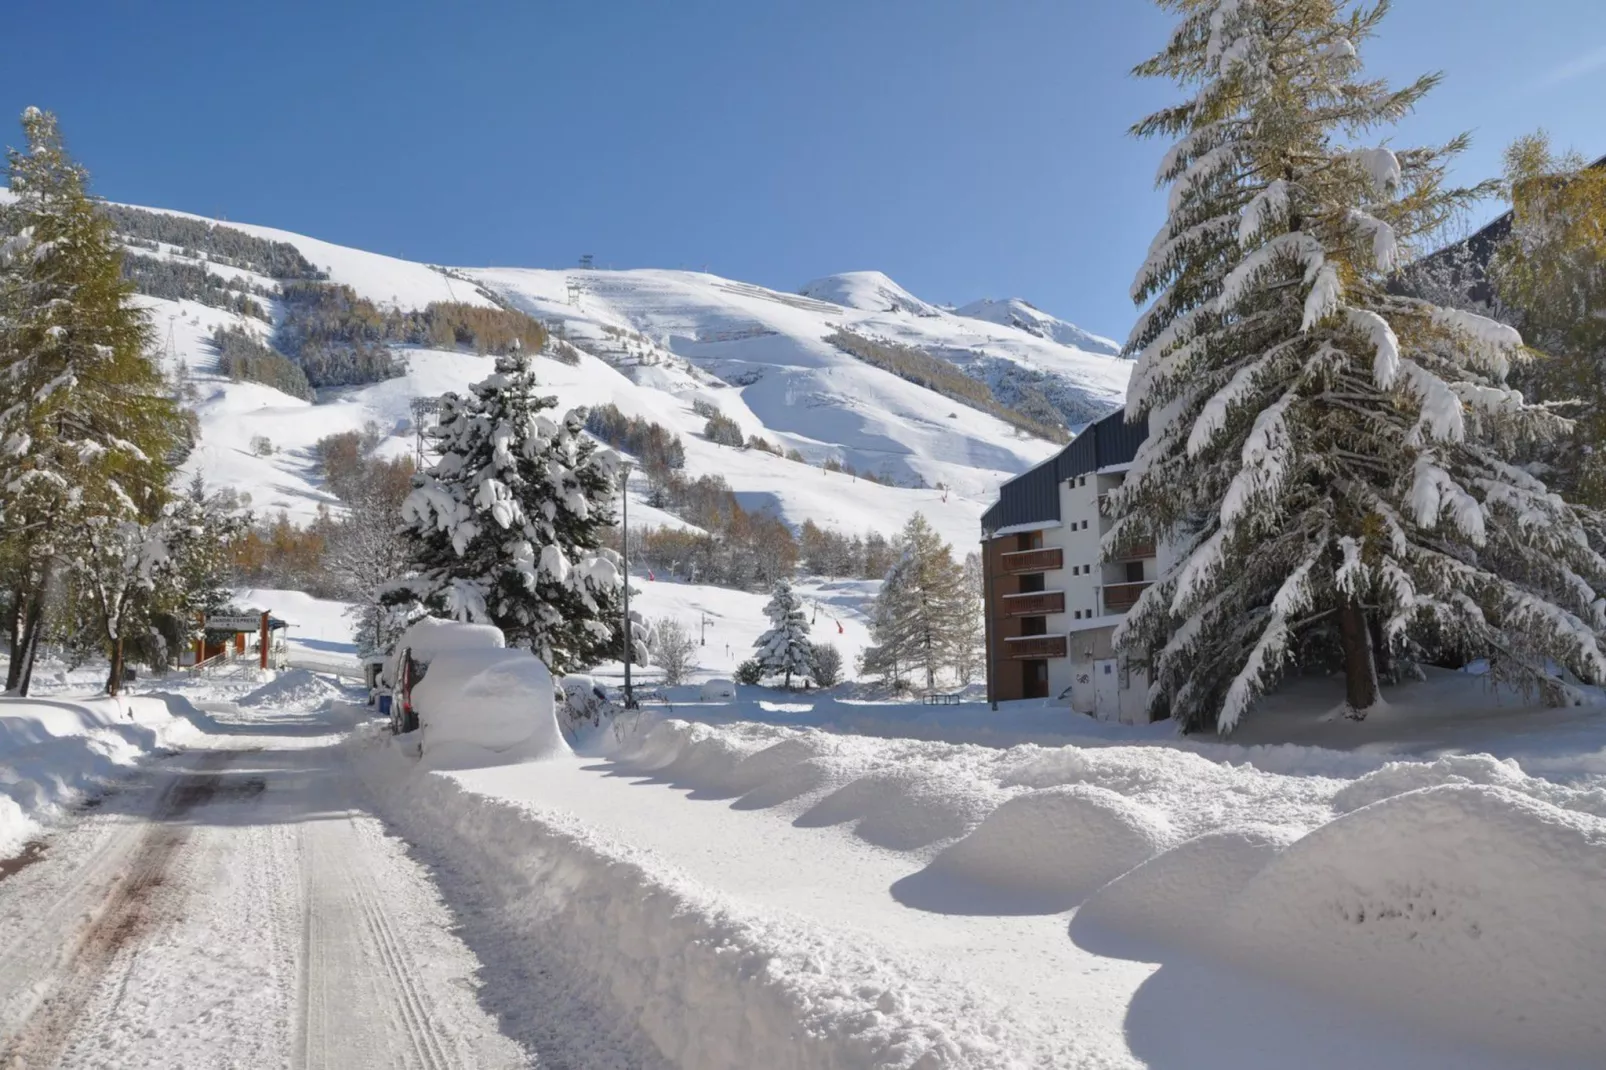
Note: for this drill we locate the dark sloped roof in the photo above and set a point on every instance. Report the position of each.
(1461, 268)
(1033, 496)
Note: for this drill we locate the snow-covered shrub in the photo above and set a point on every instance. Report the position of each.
(749, 672)
(825, 664)
(584, 701)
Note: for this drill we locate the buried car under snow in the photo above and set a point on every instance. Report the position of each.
(470, 697)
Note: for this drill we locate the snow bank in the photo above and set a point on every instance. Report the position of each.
(1471, 907)
(1041, 852)
(694, 978)
(485, 705)
(296, 689)
(56, 752)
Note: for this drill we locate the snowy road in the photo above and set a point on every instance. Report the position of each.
(236, 905)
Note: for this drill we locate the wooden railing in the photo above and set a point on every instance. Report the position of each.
(1134, 551)
(1120, 597)
(1035, 646)
(1045, 560)
(1034, 603)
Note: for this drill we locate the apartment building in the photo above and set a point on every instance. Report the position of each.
(1052, 601)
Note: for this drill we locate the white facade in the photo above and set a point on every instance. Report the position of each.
(1093, 678)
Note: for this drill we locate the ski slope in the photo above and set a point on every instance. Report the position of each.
(655, 343)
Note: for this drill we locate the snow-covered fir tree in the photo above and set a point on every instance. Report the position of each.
(920, 618)
(507, 526)
(1334, 466)
(784, 650)
(86, 423)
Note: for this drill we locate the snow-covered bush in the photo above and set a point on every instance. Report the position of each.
(673, 650)
(585, 702)
(749, 673)
(825, 664)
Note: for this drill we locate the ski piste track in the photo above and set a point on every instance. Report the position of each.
(233, 905)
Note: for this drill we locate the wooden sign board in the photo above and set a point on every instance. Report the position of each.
(241, 623)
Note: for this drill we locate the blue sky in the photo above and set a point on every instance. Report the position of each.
(967, 148)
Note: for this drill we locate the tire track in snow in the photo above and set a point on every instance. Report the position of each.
(103, 951)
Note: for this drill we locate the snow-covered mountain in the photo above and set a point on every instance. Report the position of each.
(1014, 312)
(656, 343)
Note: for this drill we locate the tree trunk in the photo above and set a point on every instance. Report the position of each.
(13, 626)
(1382, 656)
(114, 679)
(33, 627)
(1360, 671)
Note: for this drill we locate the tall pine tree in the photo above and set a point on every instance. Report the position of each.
(506, 527)
(1332, 464)
(86, 421)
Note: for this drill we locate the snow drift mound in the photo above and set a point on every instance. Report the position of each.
(485, 706)
(1397, 778)
(1172, 899)
(295, 688)
(1039, 853)
(1475, 908)
(904, 809)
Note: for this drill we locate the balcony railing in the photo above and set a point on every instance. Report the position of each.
(1034, 603)
(1134, 551)
(1035, 646)
(1120, 597)
(1045, 560)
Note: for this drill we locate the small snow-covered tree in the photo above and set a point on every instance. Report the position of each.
(784, 649)
(507, 526)
(1332, 463)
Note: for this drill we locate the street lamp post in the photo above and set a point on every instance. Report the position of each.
(987, 615)
(624, 543)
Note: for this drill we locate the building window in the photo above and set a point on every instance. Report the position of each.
(1134, 572)
(1077, 615)
(1030, 584)
(1034, 625)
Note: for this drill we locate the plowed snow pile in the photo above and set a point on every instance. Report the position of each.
(882, 902)
(293, 689)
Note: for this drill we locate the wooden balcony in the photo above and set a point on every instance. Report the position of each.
(1035, 646)
(1045, 560)
(1134, 551)
(1120, 597)
(1034, 603)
